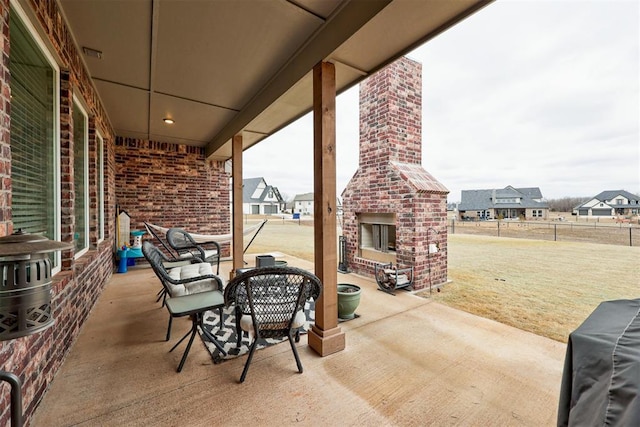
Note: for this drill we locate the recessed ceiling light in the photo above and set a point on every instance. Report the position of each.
(92, 52)
(168, 120)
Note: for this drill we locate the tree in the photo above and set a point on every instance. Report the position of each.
(565, 204)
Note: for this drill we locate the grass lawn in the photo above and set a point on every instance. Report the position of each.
(544, 287)
(547, 288)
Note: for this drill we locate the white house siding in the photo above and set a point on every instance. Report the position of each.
(260, 208)
(595, 207)
(593, 202)
(304, 207)
(259, 190)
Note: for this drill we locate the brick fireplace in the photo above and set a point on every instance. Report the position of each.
(393, 208)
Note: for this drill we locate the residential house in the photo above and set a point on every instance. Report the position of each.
(260, 198)
(303, 204)
(506, 203)
(610, 203)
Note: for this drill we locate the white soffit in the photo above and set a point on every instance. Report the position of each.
(297, 101)
(121, 30)
(188, 117)
(222, 67)
(397, 29)
(131, 117)
(222, 53)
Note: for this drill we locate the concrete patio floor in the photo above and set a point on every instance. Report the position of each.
(408, 361)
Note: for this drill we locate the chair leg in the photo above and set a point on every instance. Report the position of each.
(246, 365)
(239, 330)
(209, 335)
(181, 339)
(295, 353)
(169, 328)
(162, 295)
(192, 332)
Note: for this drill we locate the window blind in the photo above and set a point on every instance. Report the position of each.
(32, 138)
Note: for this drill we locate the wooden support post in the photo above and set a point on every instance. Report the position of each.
(325, 336)
(236, 175)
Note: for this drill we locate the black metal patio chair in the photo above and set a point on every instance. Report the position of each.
(181, 280)
(185, 245)
(269, 303)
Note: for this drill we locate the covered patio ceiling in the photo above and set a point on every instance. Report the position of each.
(220, 68)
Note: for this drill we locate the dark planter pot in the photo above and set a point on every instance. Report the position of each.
(348, 300)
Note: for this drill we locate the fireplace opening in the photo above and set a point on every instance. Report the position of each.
(377, 237)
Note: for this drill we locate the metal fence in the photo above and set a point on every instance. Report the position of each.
(623, 234)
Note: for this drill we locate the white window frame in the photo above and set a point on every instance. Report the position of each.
(77, 103)
(17, 8)
(100, 182)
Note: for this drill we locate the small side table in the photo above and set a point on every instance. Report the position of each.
(195, 305)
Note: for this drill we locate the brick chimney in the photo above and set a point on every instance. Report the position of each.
(390, 187)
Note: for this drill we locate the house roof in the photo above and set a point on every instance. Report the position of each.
(610, 195)
(305, 197)
(249, 187)
(220, 68)
(531, 192)
(473, 200)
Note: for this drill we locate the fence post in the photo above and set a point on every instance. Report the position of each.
(555, 232)
(498, 228)
(630, 239)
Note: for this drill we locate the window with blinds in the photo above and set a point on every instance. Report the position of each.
(34, 149)
(80, 176)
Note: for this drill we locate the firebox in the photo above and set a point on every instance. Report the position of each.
(377, 237)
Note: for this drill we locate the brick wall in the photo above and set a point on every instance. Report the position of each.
(35, 359)
(172, 186)
(390, 178)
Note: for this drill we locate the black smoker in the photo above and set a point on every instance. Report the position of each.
(25, 296)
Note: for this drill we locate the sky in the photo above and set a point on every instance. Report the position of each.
(530, 94)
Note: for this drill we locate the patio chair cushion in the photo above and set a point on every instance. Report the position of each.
(247, 324)
(189, 271)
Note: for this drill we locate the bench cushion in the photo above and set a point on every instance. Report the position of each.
(189, 271)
